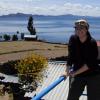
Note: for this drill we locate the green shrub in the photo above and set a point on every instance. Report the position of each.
(14, 38)
(6, 37)
(9, 67)
(31, 69)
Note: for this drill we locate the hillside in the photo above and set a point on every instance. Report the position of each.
(25, 16)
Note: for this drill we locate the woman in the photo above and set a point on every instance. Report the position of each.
(82, 57)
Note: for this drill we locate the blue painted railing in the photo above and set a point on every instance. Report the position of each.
(50, 87)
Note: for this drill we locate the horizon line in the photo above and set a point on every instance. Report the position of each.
(45, 15)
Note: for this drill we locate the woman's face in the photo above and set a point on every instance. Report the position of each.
(81, 31)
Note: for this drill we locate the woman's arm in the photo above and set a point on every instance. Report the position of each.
(79, 71)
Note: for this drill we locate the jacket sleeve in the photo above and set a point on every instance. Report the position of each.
(92, 57)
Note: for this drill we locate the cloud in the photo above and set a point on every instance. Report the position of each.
(67, 8)
(28, 0)
(34, 0)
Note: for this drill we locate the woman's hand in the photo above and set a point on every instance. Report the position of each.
(79, 71)
(72, 74)
(65, 74)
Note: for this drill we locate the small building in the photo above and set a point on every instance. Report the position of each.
(30, 37)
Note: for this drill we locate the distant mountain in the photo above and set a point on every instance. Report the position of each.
(15, 16)
(27, 15)
(21, 16)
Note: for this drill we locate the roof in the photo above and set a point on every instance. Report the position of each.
(98, 43)
(8, 78)
(60, 92)
(29, 36)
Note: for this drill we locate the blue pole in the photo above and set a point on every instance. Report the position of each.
(50, 87)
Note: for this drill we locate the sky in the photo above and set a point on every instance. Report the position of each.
(51, 7)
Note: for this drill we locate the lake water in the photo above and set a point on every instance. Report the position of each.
(57, 30)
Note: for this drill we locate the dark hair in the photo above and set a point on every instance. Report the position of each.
(88, 34)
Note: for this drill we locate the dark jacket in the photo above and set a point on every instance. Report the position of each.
(83, 53)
